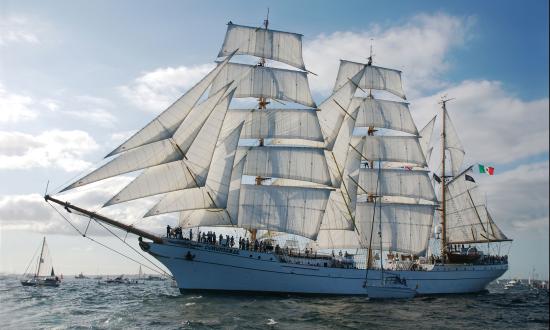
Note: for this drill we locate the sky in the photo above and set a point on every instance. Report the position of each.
(78, 77)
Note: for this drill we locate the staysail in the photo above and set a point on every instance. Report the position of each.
(467, 217)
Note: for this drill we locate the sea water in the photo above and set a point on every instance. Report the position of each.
(91, 303)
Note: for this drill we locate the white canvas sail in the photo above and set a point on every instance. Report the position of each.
(453, 145)
(384, 114)
(404, 227)
(156, 180)
(215, 192)
(396, 182)
(467, 217)
(373, 77)
(277, 123)
(336, 158)
(297, 163)
(404, 149)
(280, 46)
(45, 263)
(151, 154)
(340, 211)
(260, 81)
(333, 110)
(339, 239)
(426, 136)
(205, 217)
(199, 156)
(164, 125)
(292, 210)
(189, 129)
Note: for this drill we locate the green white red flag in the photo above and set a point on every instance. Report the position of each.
(486, 169)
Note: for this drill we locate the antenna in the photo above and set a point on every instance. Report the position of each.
(371, 54)
(266, 20)
(445, 99)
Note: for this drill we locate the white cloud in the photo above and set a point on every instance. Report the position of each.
(83, 107)
(519, 198)
(31, 213)
(154, 91)
(494, 126)
(17, 29)
(418, 47)
(55, 148)
(15, 107)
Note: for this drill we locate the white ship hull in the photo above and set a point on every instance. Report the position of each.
(205, 267)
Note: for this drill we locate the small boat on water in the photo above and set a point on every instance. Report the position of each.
(511, 284)
(44, 274)
(120, 280)
(81, 276)
(391, 287)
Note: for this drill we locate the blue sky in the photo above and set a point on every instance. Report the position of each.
(77, 77)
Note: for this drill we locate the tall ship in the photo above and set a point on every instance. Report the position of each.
(335, 198)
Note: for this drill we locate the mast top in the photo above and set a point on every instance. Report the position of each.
(369, 63)
(266, 20)
(445, 99)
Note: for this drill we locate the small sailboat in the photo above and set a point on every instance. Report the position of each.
(44, 274)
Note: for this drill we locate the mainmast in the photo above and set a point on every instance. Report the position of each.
(443, 102)
(40, 257)
(262, 105)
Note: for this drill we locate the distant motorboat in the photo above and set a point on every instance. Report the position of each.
(80, 276)
(44, 274)
(120, 280)
(510, 284)
(153, 278)
(391, 287)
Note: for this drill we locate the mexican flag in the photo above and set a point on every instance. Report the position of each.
(486, 169)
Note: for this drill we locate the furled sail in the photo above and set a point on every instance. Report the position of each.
(215, 192)
(453, 145)
(292, 210)
(426, 136)
(405, 149)
(280, 46)
(164, 125)
(396, 182)
(333, 110)
(374, 77)
(384, 114)
(277, 123)
(297, 163)
(260, 81)
(467, 218)
(404, 227)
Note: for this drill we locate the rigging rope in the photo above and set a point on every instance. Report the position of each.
(30, 262)
(109, 248)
